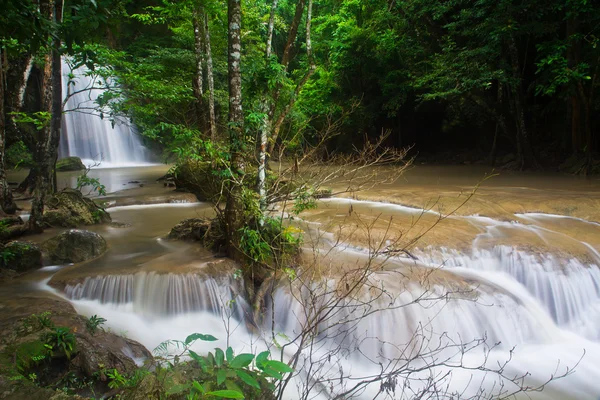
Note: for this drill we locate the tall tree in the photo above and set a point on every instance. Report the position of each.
(233, 207)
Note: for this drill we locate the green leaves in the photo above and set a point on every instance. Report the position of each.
(198, 336)
(242, 360)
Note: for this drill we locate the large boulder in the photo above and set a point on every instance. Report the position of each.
(20, 256)
(197, 177)
(205, 230)
(70, 209)
(94, 351)
(70, 164)
(74, 246)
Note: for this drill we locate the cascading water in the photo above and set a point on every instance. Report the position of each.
(160, 295)
(498, 303)
(89, 136)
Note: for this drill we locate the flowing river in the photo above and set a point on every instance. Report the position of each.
(508, 280)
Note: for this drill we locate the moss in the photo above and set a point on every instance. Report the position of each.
(20, 256)
(29, 354)
(70, 209)
(70, 164)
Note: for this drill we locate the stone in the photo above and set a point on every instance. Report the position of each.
(205, 230)
(69, 208)
(20, 256)
(74, 246)
(70, 164)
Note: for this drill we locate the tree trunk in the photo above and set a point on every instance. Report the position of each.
(573, 59)
(8, 204)
(198, 25)
(276, 127)
(524, 148)
(233, 207)
(57, 95)
(211, 81)
(46, 146)
(265, 127)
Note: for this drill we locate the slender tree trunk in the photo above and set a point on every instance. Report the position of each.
(276, 127)
(265, 127)
(233, 207)
(198, 25)
(524, 149)
(211, 81)
(573, 59)
(57, 95)
(8, 204)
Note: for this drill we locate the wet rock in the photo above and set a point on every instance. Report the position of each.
(11, 227)
(70, 209)
(93, 352)
(20, 256)
(74, 246)
(197, 177)
(120, 224)
(205, 230)
(70, 164)
(508, 158)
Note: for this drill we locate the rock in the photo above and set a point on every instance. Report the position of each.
(70, 164)
(510, 157)
(20, 256)
(70, 209)
(93, 353)
(205, 230)
(74, 246)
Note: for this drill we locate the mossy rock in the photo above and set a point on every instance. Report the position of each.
(70, 164)
(20, 256)
(74, 246)
(207, 231)
(71, 209)
(197, 177)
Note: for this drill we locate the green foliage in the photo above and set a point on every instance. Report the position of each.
(39, 119)
(94, 183)
(93, 323)
(270, 241)
(60, 339)
(17, 155)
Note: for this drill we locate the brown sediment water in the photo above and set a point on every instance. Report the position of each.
(517, 262)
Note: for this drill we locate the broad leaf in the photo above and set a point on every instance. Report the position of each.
(199, 336)
(221, 376)
(219, 357)
(249, 380)
(242, 360)
(226, 394)
(261, 358)
(278, 366)
(229, 354)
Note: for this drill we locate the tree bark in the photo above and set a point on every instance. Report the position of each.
(198, 25)
(211, 82)
(233, 207)
(524, 148)
(47, 138)
(43, 179)
(57, 95)
(7, 202)
(573, 59)
(276, 127)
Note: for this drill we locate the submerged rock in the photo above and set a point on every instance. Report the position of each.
(70, 208)
(70, 164)
(20, 256)
(74, 246)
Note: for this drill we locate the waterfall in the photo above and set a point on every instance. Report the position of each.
(90, 134)
(159, 295)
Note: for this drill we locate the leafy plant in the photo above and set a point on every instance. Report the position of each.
(60, 339)
(94, 183)
(93, 323)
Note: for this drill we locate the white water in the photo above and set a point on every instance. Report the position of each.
(88, 136)
(540, 311)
